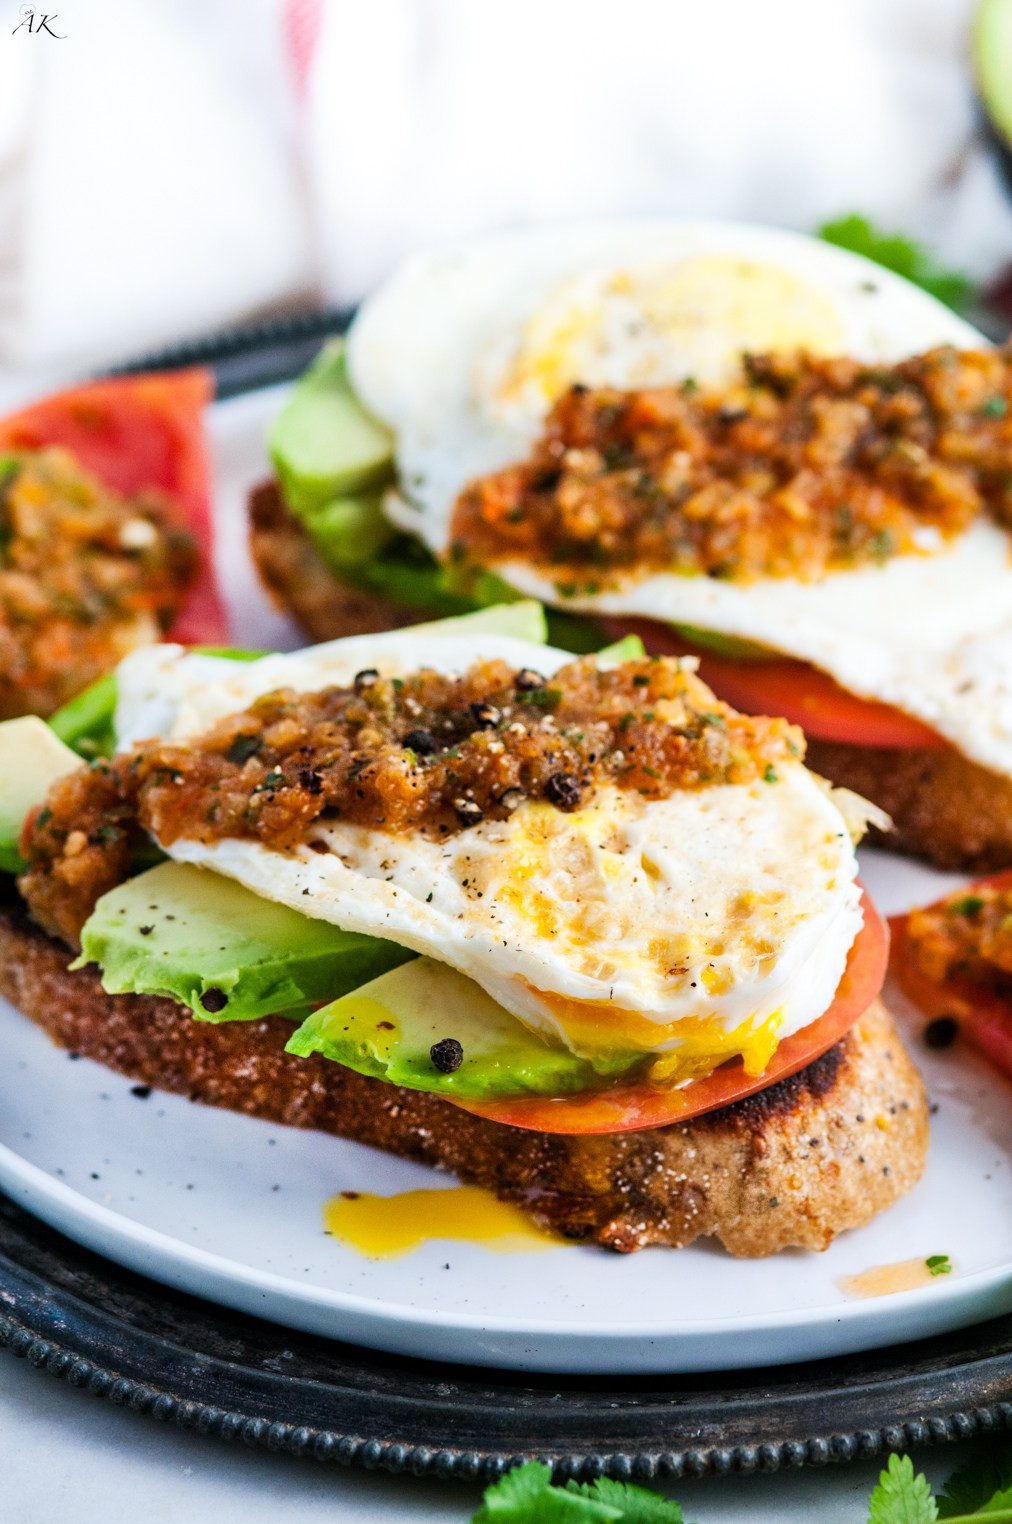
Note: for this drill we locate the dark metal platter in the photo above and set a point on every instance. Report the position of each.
(188, 1362)
(245, 359)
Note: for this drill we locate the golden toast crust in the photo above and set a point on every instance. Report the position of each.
(792, 1166)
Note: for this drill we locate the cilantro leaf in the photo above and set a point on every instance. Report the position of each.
(525, 1495)
(901, 1497)
(901, 255)
(985, 1475)
(636, 1504)
(999, 1508)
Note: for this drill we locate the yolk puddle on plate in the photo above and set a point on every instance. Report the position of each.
(384, 1227)
(886, 1280)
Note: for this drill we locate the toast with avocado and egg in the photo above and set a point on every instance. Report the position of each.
(745, 443)
(573, 928)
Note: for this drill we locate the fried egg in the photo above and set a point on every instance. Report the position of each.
(464, 351)
(715, 921)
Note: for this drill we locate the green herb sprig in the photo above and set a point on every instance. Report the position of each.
(980, 1490)
(526, 1496)
(903, 256)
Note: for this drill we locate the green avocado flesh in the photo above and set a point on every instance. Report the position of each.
(323, 443)
(523, 621)
(223, 951)
(31, 760)
(992, 58)
(387, 1029)
(629, 648)
(334, 462)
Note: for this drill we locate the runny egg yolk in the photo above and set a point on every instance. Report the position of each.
(593, 1028)
(650, 327)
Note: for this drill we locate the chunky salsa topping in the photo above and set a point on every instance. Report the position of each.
(427, 753)
(807, 466)
(968, 936)
(85, 575)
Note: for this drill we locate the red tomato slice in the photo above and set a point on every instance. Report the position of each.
(984, 1017)
(792, 689)
(636, 1107)
(137, 432)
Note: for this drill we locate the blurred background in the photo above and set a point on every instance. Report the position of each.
(173, 166)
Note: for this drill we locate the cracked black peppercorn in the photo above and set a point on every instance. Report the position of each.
(467, 811)
(214, 1000)
(563, 790)
(365, 679)
(942, 1032)
(485, 716)
(421, 742)
(526, 679)
(447, 1055)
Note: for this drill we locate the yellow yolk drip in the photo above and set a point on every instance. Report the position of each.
(888, 1280)
(385, 1227)
(593, 1028)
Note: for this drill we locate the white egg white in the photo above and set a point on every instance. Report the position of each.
(929, 634)
(727, 909)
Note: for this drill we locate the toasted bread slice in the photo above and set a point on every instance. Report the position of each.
(945, 808)
(792, 1166)
(300, 583)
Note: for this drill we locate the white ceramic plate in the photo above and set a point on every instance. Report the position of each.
(231, 1209)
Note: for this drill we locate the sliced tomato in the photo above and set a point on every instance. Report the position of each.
(133, 433)
(791, 689)
(985, 1018)
(636, 1107)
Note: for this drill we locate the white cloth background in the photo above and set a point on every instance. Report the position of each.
(149, 183)
(160, 173)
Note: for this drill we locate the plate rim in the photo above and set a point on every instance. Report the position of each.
(103, 1230)
(97, 1342)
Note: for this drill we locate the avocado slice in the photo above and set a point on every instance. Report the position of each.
(350, 533)
(523, 621)
(388, 1028)
(222, 950)
(334, 461)
(991, 47)
(31, 760)
(324, 444)
(405, 574)
(629, 648)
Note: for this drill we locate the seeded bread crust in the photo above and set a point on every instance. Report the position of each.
(791, 1167)
(945, 808)
(300, 583)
